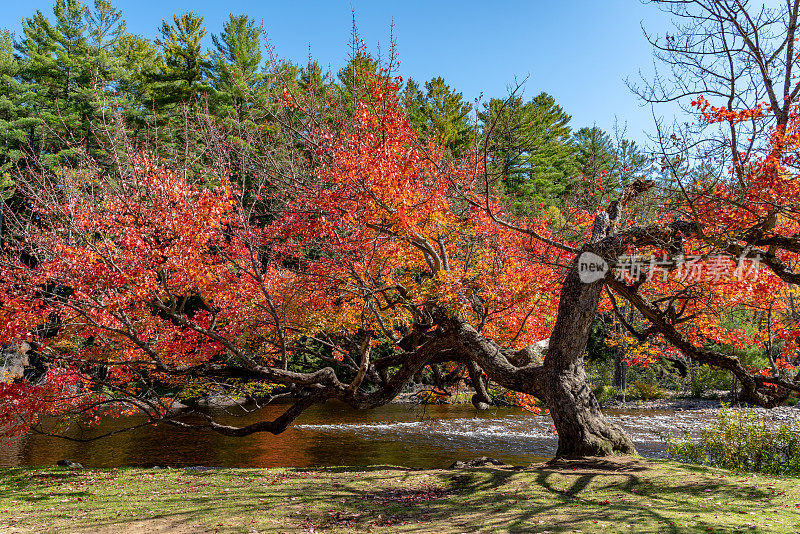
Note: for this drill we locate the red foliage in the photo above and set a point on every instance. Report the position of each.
(388, 227)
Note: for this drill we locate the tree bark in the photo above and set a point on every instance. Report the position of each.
(480, 399)
(582, 428)
(620, 352)
(561, 381)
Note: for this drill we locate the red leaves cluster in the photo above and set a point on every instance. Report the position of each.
(755, 310)
(712, 114)
(388, 227)
(388, 207)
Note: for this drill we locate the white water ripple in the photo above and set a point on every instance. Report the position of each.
(516, 433)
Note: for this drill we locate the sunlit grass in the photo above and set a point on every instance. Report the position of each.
(621, 496)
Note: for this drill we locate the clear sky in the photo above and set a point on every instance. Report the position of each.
(580, 51)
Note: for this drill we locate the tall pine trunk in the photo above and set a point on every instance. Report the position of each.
(620, 352)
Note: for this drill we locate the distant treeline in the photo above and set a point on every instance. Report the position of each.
(76, 78)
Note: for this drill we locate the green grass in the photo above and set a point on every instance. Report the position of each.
(620, 495)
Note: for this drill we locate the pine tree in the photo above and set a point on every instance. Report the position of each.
(630, 163)
(551, 153)
(235, 67)
(314, 82)
(440, 112)
(71, 68)
(607, 165)
(179, 80)
(15, 122)
(178, 85)
(532, 153)
(106, 29)
(138, 60)
(352, 79)
(413, 100)
(54, 64)
(594, 153)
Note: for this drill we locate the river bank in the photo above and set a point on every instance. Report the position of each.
(604, 495)
(673, 403)
(333, 434)
(779, 414)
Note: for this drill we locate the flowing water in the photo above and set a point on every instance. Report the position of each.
(333, 434)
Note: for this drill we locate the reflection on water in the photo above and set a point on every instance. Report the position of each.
(333, 434)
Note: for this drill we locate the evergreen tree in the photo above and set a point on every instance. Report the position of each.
(138, 59)
(594, 155)
(551, 153)
(54, 64)
(235, 66)
(177, 86)
(414, 103)
(440, 112)
(106, 29)
(179, 79)
(314, 83)
(607, 165)
(532, 153)
(71, 69)
(15, 122)
(630, 163)
(351, 79)
(505, 136)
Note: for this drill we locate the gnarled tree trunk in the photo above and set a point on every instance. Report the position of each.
(561, 381)
(582, 428)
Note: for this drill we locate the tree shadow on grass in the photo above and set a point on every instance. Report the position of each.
(557, 498)
(614, 464)
(19, 482)
(552, 497)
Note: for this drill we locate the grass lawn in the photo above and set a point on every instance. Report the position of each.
(617, 495)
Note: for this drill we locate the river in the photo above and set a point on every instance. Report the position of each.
(334, 434)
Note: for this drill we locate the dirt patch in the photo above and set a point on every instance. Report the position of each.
(597, 465)
(149, 526)
(483, 461)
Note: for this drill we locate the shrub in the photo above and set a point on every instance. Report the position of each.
(605, 393)
(647, 391)
(742, 441)
(599, 372)
(707, 378)
(660, 372)
(432, 396)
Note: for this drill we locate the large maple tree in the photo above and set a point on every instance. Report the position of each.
(379, 257)
(145, 284)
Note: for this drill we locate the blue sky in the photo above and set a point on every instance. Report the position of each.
(580, 51)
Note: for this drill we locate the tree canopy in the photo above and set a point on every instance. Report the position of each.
(339, 236)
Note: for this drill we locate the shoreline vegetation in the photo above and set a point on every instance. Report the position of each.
(674, 401)
(613, 494)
